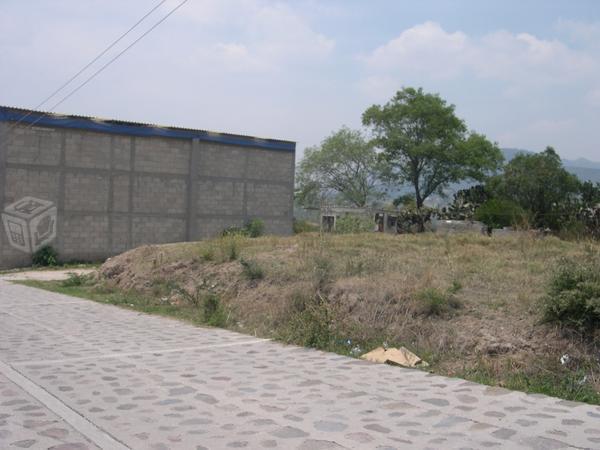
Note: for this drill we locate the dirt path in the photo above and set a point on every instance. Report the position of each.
(43, 275)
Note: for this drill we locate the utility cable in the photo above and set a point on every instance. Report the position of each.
(89, 64)
(117, 56)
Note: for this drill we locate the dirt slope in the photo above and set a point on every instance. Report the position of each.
(460, 300)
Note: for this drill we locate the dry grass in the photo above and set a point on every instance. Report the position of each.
(461, 301)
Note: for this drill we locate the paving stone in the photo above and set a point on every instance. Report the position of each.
(155, 383)
(289, 432)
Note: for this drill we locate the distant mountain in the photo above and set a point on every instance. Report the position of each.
(581, 162)
(585, 173)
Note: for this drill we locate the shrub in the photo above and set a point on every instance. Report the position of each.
(193, 298)
(573, 297)
(573, 229)
(310, 322)
(207, 253)
(412, 220)
(322, 272)
(233, 231)
(207, 301)
(433, 302)
(353, 224)
(255, 228)
(229, 248)
(214, 313)
(252, 269)
(499, 213)
(304, 226)
(45, 256)
(74, 280)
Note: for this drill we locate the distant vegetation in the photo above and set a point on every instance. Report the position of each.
(419, 148)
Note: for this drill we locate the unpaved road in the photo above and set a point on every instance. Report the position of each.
(75, 374)
(44, 275)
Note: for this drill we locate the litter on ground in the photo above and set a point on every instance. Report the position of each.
(395, 356)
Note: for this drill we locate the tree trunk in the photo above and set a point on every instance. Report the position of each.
(419, 202)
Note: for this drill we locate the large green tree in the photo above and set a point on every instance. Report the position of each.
(344, 166)
(426, 145)
(539, 183)
(590, 194)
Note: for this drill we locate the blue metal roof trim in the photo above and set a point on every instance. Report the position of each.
(143, 130)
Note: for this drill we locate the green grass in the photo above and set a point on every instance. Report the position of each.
(542, 377)
(129, 300)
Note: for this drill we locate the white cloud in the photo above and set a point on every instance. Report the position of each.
(427, 50)
(268, 35)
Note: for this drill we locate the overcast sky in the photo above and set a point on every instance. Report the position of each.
(526, 73)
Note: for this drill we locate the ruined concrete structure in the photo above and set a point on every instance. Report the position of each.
(93, 188)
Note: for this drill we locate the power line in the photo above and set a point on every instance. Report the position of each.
(87, 66)
(117, 56)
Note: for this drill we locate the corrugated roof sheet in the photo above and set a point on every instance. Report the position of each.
(40, 118)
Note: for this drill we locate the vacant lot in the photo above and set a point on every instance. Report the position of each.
(468, 304)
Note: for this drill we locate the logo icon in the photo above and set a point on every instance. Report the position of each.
(30, 223)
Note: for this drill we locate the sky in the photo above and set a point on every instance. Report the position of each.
(525, 73)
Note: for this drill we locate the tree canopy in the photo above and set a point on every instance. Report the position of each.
(345, 166)
(539, 183)
(426, 145)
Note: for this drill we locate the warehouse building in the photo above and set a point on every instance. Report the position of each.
(93, 188)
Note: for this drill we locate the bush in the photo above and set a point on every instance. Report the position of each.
(322, 272)
(255, 228)
(433, 302)
(74, 280)
(229, 248)
(353, 224)
(573, 298)
(45, 256)
(207, 302)
(573, 229)
(252, 269)
(499, 213)
(233, 231)
(214, 314)
(207, 253)
(304, 226)
(310, 322)
(412, 220)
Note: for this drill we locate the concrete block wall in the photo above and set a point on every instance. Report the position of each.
(115, 192)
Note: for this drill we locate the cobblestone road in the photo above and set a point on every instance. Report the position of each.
(80, 375)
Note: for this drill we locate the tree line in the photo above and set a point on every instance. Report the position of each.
(416, 140)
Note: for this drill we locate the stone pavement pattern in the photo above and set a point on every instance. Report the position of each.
(149, 382)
